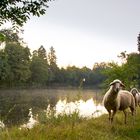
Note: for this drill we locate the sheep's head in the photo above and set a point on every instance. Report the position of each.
(117, 85)
(134, 91)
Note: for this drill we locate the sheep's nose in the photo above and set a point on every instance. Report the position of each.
(117, 89)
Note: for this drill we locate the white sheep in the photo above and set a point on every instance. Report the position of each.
(118, 99)
(136, 95)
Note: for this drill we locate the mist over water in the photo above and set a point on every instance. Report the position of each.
(16, 104)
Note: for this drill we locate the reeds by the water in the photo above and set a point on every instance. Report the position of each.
(72, 127)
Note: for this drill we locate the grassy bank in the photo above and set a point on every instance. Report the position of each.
(74, 128)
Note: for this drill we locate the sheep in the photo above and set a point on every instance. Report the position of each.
(136, 95)
(117, 99)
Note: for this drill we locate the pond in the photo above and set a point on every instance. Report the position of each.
(15, 104)
(86, 108)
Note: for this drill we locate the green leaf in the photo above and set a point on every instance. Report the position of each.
(2, 37)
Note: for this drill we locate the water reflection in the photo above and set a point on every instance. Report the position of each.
(2, 125)
(86, 109)
(31, 123)
(15, 104)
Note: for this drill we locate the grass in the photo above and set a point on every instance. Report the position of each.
(71, 127)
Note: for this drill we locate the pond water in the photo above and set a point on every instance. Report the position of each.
(15, 104)
(86, 108)
(31, 122)
(2, 125)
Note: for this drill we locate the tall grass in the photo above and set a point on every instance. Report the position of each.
(72, 127)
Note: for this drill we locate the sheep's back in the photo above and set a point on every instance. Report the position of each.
(138, 94)
(126, 100)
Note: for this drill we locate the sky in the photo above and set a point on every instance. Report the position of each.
(84, 32)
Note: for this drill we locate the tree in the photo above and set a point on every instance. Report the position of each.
(39, 71)
(123, 56)
(42, 53)
(53, 68)
(35, 53)
(114, 71)
(73, 76)
(86, 74)
(18, 59)
(52, 57)
(39, 67)
(19, 11)
(10, 36)
(97, 76)
(15, 59)
(4, 68)
(138, 38)
(128, 72)
(132, 69)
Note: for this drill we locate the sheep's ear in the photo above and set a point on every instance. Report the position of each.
(112, 83)
(122, 85)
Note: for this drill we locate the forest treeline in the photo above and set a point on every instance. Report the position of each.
(21, 68)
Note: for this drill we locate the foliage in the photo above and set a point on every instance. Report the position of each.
(2, 37)
(73, 76)
(114, 71)
(132, 70)
(53, 68)
(39, 67)
(98, 75)
(19, 68)
(128, 72)
(39, 71)
(52, 57)
(42, 53)
(10, 36)
(15, 60)
(19, 11)
(4, 68)
(18, 61)
(138, 39)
